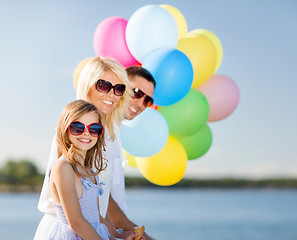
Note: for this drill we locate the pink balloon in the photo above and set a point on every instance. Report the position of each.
(222, 94)
(110, 41)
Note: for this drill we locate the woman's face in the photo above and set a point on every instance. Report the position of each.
(105, 102)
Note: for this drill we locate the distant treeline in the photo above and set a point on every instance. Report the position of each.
(24, 176)
(220, 183)
(20, 175)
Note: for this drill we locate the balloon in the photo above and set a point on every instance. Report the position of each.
(222, 94)
(179, 19)
(215, 40)
(129, 159)
(110, 41)
(77, 71)
(203, 55)
(173, 73)
(149, 28)
(167, 167)
(188, 115)
(197, 144)
(146, 134)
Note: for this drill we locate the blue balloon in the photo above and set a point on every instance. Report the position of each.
(173, 73)
(149, 28)
(146, 134)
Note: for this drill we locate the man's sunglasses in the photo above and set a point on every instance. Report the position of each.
(78, 128)
(105, 86)
(147, 102)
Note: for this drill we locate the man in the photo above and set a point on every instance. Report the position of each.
(143, 85)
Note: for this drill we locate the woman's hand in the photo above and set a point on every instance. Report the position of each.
(127, 235)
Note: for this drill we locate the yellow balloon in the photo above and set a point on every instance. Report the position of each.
(130, 159)
(215, 40)
(166, 167)
(203, 55)
(179, 19)
(77, 71)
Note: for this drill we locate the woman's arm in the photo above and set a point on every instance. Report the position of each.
(114, 233)
(63, 180)
(117, 216)
(119, 219)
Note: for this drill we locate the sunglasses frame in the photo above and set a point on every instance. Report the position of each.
(147, 101)
(110, 87)
(86, 126)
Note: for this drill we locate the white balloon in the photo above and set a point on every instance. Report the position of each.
(151, 27)
(146, 134)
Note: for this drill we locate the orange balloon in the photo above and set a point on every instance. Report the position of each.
(78, 69)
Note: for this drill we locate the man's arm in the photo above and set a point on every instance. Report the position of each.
(119, 218)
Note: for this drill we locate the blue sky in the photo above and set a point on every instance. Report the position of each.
(42, 42)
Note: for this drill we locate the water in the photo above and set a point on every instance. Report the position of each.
(181, 214)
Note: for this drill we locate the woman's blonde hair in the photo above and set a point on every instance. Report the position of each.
(94, 159)
(91, 73)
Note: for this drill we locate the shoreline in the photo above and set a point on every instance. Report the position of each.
(216, 183)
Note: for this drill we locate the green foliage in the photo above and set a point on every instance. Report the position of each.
(19, 172)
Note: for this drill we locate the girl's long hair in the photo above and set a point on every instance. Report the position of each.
(91, 73)
(94, 158)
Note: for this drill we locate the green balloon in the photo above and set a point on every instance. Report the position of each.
(198, 144)
(188, 115)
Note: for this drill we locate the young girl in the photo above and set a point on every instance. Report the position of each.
(74, 184)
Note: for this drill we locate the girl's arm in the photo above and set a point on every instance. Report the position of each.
(63, 179)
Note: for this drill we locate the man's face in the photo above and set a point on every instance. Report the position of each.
(137, 105)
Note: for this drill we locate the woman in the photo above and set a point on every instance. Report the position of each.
(104, 83)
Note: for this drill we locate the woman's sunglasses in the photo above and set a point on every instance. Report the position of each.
(147, 102)
(78, 128)
(105, 86)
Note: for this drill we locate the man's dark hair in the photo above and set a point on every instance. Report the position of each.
(142, 72)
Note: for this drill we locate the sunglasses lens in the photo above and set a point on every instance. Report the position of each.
(103, 86)
(76, 128)
(138, 93)
(119, 89)
(95, 129)
(148, 101)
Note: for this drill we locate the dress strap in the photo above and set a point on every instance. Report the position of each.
(88, 184)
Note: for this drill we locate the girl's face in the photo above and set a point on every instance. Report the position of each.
(105, 102)
(85, 141)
